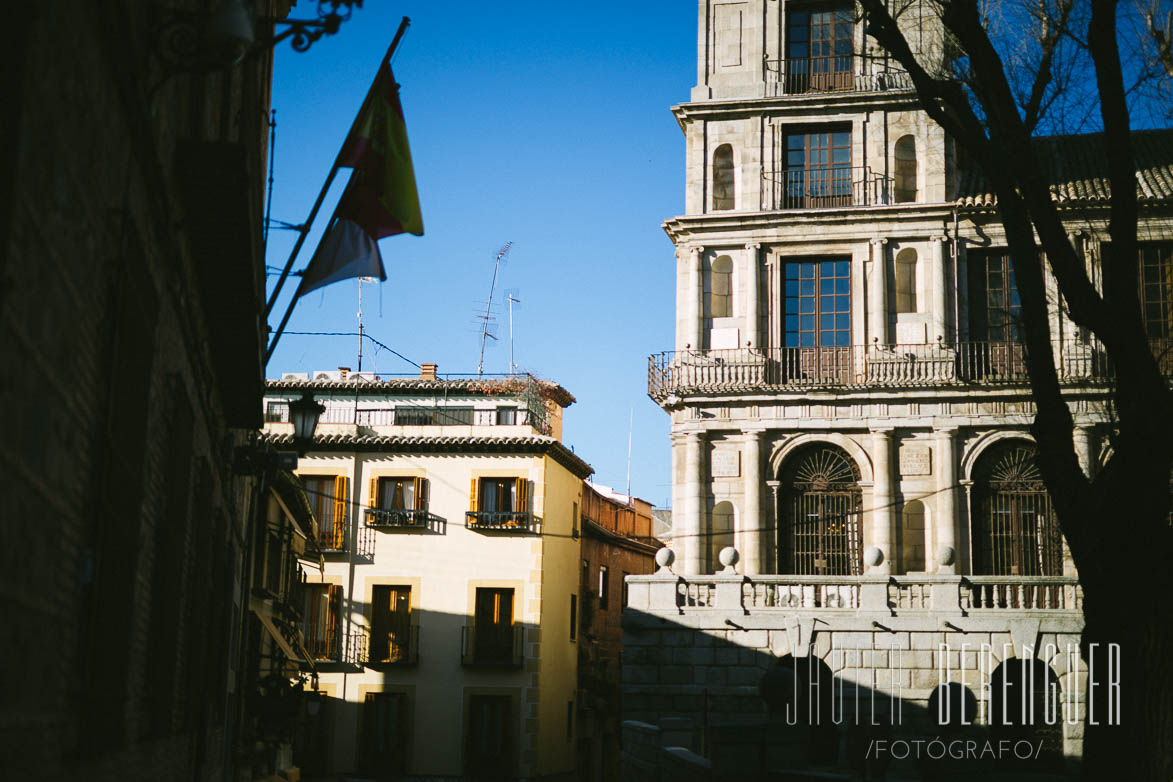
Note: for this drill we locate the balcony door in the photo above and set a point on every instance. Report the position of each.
(493, 639)
(818, 49)
(995, 316)
(489, 743)
(1156, 288)
(816, 172)
(816, 322)
(390, 624)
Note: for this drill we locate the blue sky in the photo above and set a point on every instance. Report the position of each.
(547, 125)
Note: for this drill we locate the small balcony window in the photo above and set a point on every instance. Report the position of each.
(329, 500)
(398, 501)
(492, 639)
(506, 416)
(499, 503)
(391, 631)
(320, 630)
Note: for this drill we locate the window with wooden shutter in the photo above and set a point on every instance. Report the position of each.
(341, 494)
(323, 608)
(472, 496)
(390, 624)
(493, 624)
(522, 495)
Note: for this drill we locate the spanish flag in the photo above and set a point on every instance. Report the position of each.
(381, 197)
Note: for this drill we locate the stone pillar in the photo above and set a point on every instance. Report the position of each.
(878, 294)
(967, 528)
(946, 516)
(693, 527)
(939, 301)
(753, 526)
(696, 309)
(753, 316)
(882, 499)
(1083, 436)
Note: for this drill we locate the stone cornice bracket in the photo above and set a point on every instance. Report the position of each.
(881, 429)
(753, 246)
(879, 240)
(938, 238)
(696, 249)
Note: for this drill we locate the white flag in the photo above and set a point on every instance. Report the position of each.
(346, 251)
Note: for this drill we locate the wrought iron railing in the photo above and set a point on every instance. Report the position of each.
(323, 640)
(861, 366)
(393, 647)
(401, 518)
(337, 538)
(833, 73)
(501, 520)
(492, 646)
(825, 187)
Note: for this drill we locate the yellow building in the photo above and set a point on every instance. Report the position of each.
(440, 621)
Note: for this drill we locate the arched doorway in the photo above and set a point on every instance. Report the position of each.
(1026, 706)
(1015, 530)
(821, 503)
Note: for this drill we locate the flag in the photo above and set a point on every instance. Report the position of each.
(381, 196)
(380, 199)
(346, 251)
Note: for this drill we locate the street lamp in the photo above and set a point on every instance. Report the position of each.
(304, 414)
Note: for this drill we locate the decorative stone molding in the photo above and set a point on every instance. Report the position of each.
(782, 450)
(975, 449)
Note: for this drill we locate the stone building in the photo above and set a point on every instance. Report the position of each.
(617, 542)
(848, 396)
(440, 619)
(131, 287)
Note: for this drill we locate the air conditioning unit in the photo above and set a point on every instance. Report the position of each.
(295, 376)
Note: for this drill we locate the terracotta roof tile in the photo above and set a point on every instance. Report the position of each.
(1076, 168)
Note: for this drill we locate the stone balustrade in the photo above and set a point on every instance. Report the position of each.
(914, 595)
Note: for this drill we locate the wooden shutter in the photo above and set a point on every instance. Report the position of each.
(340, 499)
(333, 620)
(522, 495)
(472, 496)
(418, 493)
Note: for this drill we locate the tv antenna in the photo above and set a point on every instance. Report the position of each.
(361, 332)
(511, 297)
(487, 317)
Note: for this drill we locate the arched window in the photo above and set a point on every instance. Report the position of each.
(724, 192)
(1015, 529)
(911, 546)
(905, 169)
(721, 287)
(821, 504)
(904, 281)
(720, 533)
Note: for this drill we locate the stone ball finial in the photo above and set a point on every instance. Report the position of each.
(872, 556)
(728, 557)
(946, 555)
(665, 557)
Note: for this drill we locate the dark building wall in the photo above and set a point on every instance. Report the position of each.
(124, 523)
(608, 540)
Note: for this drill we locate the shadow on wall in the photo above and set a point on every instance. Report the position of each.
(754, 704)
(422, 693)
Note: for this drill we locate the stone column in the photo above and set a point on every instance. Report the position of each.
(696, 309)
(693, 527)
(946, 516)
(882, 499)
(878, 294)
(776, 537)
(1083, 436)
(967, 527)
(752, 302)
(939, 301)
(753, 526)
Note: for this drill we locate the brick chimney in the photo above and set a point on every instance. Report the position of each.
(343, 372)
(428, 372)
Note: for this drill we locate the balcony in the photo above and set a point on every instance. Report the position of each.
(400, 647)
(327, 644)
(910, 596)
(833, 73)
(404, 519)
(338, 539)
(501, 521)
(745, 370)
(825, 187)
(492, 646)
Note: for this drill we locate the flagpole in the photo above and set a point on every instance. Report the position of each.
(304, 229)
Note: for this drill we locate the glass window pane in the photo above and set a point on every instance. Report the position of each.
(807, 305)
(841, 285)
(808, 288)
(827, 268)
(791, 288)
(843, 322)
(808, 323)
(807, 339)
(827, 322)
(792, 323)
(826, 285)
(843, 304)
